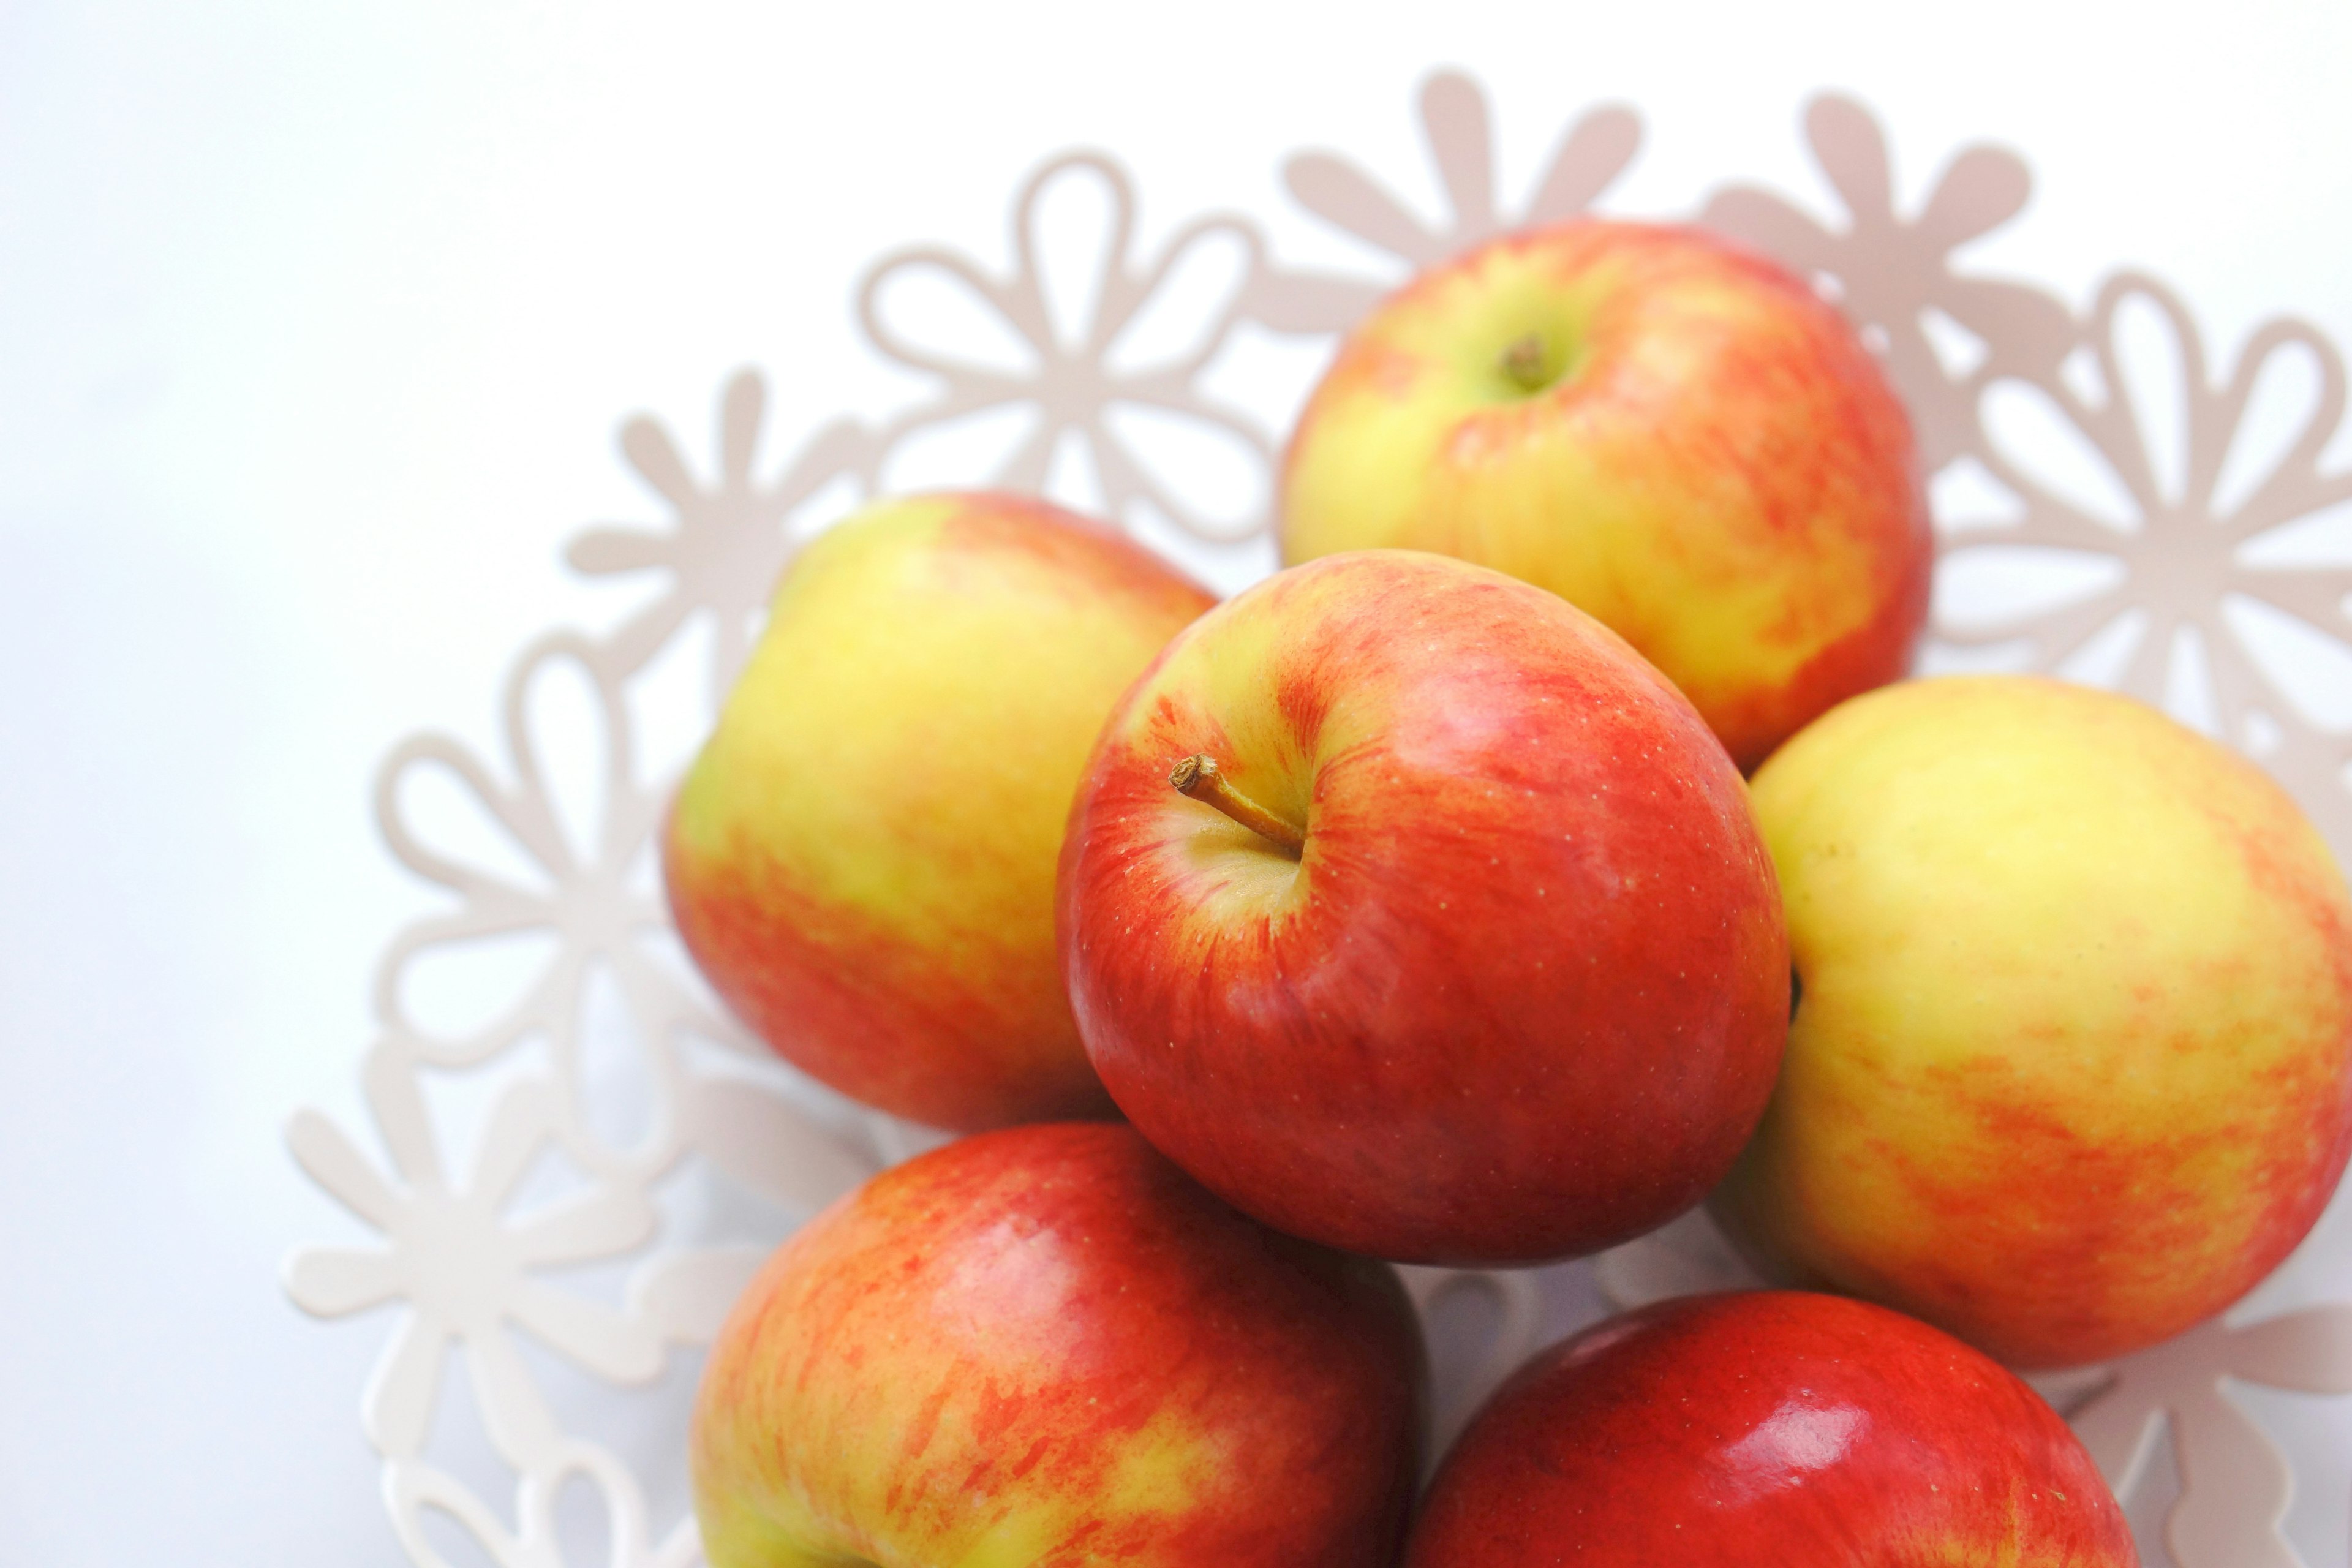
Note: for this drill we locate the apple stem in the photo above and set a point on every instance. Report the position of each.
(1199, 777)
(1523, 361)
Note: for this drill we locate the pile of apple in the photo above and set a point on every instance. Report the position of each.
(1412, 906)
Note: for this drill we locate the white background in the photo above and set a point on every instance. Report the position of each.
(316, 322)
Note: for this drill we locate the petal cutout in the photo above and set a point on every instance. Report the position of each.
(1462, 143)
(566, 834)
(612, 1220)
(1851, 151)
(502, 815)
(397, 1406)
(1077, 280)
(1004, 320)
(600, 551)
(2267, 471)
(739, 411)
(616, 1489)
(333, 1281)
(2080, 471)
(1589, 158)
(411, 1487)
(462, 990)
(1186, 302)
(331, 1160)
(389, 1078)
(520, 1123)
(1221, 465)
(513, 1414)
(1981, 189)
(1344, 196)
(650, 451)
(2007, 588)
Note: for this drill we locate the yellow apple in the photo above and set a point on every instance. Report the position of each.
(862, 858)
(1677, 437)
(2071, 1065)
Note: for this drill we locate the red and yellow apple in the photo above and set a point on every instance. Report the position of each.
(1765, 1428)
(1676, 436)
(1047, 1345)
(1495, 972)
(2072, 1066)
(862, 858)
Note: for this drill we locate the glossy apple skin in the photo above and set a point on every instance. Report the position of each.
(1047, 1345)
(2073, 1067)
(1720, 471)
(862, 859)
(1765, 1428)
(1523, 994)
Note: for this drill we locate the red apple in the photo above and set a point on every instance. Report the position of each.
(1768, 1428)
(1678, 437)
(1047, 1345)
(862, 858)
(1498, 975)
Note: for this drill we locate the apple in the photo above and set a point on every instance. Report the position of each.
(1768, 1427)
(1045, 1345)
(2071, 1065)
(862, 858)
(1673, 433)
(1457, 944)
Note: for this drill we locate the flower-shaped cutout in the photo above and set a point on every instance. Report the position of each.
(1459, 131)
(2230, 1472)
(415, 1489)
(1083, 388)
(1459, 128)
(582, 900)
(730, 542)
(2189, 555)
(464, 1266)
(1894, 276)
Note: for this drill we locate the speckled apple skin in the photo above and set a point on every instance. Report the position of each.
(862, 858)
(1774, 1427)
(1047, 1347)
(2073, 1067)
(1721, 471)
(1524, 992)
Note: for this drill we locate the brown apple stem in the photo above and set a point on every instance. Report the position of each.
(1199, 777)
(1523, 361)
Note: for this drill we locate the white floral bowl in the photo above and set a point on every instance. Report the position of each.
(634, 1153)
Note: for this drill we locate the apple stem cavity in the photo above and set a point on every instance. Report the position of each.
(1199, 778)
(1523, 363)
